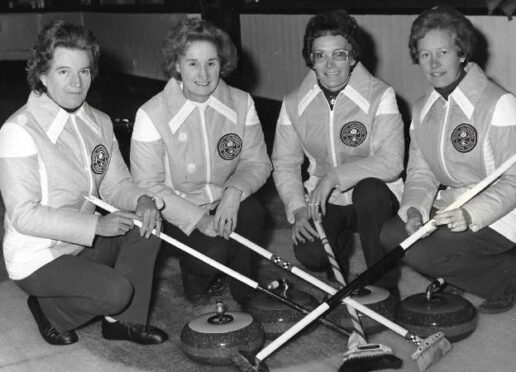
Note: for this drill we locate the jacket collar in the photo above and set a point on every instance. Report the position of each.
(466, 95)
(181, 107)
(357, 89)
(53, 118)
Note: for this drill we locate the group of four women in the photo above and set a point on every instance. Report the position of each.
(198, 155)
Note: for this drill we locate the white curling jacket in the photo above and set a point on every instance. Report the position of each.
(188, 153)
(48, 160)
(361, 137)
(457, 143)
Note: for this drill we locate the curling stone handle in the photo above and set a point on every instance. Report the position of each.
(284, 287)
(220, 309)
(435, 286)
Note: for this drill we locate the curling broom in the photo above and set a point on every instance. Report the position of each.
(251, 283)
(361, 355)
(368, 276)
(428, 350)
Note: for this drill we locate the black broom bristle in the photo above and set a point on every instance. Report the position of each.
(246, 362)
(371, 357)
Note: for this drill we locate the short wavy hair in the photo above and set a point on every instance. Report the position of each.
(337, 22)
(446, 18)
(194, 29)
(59, 34)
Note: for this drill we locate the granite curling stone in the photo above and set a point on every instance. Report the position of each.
(213, 338)
(375, 298)
(427, 313)
(277, 317)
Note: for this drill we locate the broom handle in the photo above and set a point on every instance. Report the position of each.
(380, 267)
(210, 261)
(251, 283)
(340, 278)
(321, 285)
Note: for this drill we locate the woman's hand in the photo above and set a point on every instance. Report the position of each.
(115, 224)
(320, 195)
(206, 226)
(149, 214)
(227, 212)
(457, 220)
(414, 220)
(302, 229)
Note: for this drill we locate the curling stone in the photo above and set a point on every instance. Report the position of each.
(427, 313)
(275, 316)
(377, 299)
(213, 338)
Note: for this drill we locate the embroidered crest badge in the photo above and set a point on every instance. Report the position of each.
(229, 146)
(353, 133)
(464, 137)
(99, 159)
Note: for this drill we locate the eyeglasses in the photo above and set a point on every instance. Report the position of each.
(340, 55)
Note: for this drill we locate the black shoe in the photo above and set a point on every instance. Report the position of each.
(47, 330)
(139, 333)
(498, 305)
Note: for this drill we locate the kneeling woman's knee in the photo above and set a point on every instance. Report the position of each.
(312, 259)
(117, 295)
(392, 233)
(369, 189)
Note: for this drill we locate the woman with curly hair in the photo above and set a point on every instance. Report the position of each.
(347, 123)
(462, 129)
(75, 265)
(199, 145)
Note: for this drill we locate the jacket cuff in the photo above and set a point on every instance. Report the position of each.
(245, 193)
(475, 225)
(292, 208)
(402, 213)
(157, 200)
(193, 224)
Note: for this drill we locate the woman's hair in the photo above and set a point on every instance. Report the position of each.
(59, 34)
(337, 22)
(194, 29)
(446, 18)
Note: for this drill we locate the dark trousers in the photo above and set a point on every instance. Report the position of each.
(114, 277)
(197, 275)
(482, 262)
(373, 204)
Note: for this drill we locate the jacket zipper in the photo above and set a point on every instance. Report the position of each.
(206, 154)
(443, 131)
(84, 153)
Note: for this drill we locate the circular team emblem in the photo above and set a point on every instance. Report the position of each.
(229, 146)
(353, 133)
(99, 159)
(464, 137)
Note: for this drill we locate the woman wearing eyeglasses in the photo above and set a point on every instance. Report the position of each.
(347, 123)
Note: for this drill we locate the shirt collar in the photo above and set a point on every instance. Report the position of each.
(183, 107)
(357, 89)
(465, 95)
(52, 118)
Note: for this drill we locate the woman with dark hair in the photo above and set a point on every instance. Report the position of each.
(347, 123)
(199, 145)
(462, 129)
(74, 264)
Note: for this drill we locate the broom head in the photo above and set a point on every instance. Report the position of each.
(431, 350)
(369, 357)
